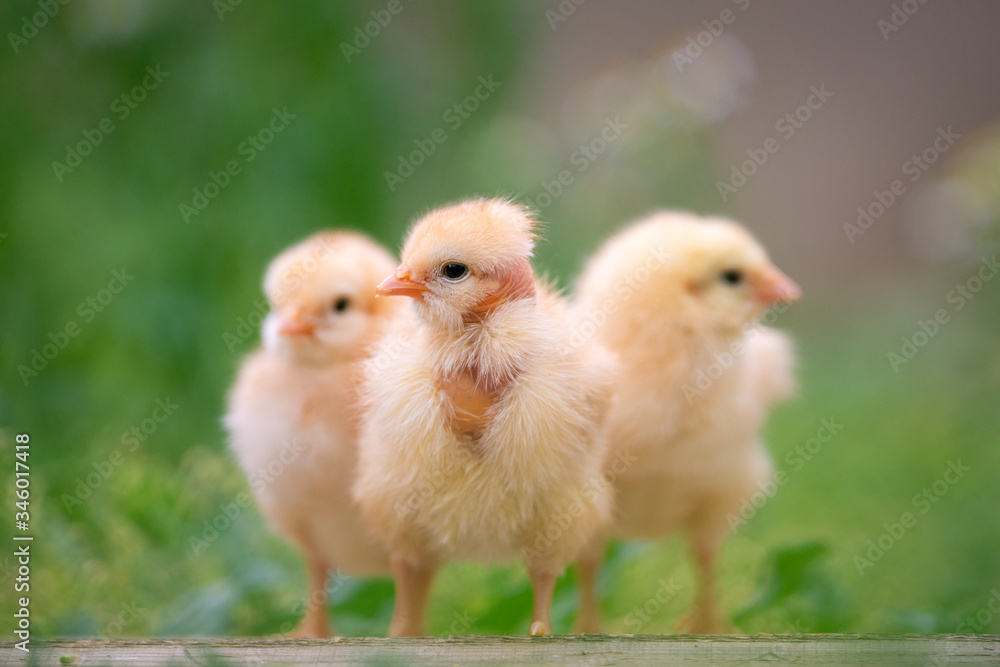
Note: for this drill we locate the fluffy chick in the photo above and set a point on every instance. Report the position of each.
(482, 432)
(679, 297)
(292, 411)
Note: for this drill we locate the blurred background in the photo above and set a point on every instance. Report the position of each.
(155, 156)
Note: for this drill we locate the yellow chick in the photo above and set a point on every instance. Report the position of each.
(678, 298)
(482, 432)
(292, 416)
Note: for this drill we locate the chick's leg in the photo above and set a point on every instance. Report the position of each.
(543, 583)
(588, 619)
(413, 582)
(314, 624)
(704, 618)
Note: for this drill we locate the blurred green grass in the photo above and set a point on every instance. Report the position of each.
(120, 562)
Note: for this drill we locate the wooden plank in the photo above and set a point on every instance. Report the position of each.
(639, 650)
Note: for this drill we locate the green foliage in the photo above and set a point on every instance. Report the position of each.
(797, 581)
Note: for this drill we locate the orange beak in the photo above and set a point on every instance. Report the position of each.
(775, 286)
(296, 325)
(401, 283)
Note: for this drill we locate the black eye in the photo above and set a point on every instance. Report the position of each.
(454, 271)
(341, 304)
(732, 277)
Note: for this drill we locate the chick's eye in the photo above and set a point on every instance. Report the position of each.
(454, 271)
(341, 304)
(732, 277)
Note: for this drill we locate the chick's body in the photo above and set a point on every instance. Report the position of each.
(439, 492)
(697, 377)
(695, 466)
(292, 414)
(482, 435)
(293, 430)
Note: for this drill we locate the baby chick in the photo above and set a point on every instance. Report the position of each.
(292, 411)
(677, 298)
(482, 432)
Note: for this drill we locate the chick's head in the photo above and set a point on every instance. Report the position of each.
(464, 261)
(707, 274)
(728, 275)
(323, 308)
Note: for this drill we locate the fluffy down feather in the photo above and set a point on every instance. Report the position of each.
(482, 431)
(292, 410)
(697, 376)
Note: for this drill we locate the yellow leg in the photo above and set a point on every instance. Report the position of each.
(314, 624)
(543, 583)
(704, 617)
(588, 619)
(413, 583)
